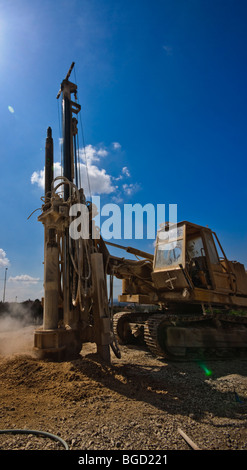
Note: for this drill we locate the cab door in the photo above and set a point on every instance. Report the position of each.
(220, 275)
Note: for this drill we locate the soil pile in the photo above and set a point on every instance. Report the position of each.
(136, 403)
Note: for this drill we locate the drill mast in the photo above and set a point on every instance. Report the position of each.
(76, 307)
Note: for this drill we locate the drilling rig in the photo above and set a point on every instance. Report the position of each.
(76, 308)
(189, 287)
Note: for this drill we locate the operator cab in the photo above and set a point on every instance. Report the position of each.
(186, 256)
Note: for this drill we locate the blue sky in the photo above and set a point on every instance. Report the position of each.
(162, 85)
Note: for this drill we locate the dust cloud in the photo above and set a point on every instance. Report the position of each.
(17, 325)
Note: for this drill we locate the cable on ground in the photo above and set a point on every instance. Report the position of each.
(40, 433)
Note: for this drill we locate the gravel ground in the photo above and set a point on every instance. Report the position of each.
(137, 403)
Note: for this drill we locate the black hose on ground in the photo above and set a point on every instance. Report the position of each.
(40, 433)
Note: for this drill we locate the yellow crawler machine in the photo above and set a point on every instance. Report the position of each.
(188, 289)
(201, 296)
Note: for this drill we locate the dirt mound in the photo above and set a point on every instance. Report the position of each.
(137, 403)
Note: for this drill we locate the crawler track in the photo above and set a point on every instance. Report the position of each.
(155, 335)
(196, 336)
(128, 326)
(184, 336)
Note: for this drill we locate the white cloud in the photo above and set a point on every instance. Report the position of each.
(117, 199)
(24, 287)
(38, 177)
(100, 182)
(125, 171)
(102, 152)
(131, 188)
(92, 154)
(4, 261)
(120, 177)
(116, 145)
(24, 278)
(90, 170)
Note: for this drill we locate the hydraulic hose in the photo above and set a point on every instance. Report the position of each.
(39, 433)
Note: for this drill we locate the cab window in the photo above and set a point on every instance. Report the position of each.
(169, 251)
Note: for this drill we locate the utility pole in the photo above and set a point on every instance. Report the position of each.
(5, 279)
